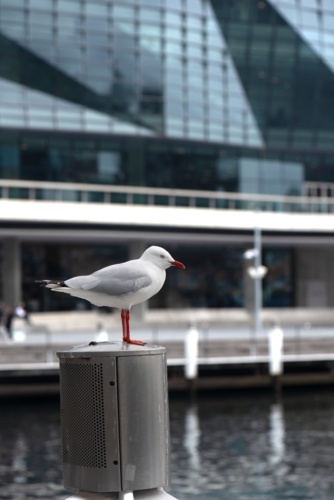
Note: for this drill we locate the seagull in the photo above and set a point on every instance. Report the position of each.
(121, 285)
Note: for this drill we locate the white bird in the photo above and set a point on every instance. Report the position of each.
(121, 285)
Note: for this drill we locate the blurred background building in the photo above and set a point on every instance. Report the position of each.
(229, 96)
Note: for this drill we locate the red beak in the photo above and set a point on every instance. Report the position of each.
(177, 264)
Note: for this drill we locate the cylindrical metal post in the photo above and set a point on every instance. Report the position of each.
(115, 423)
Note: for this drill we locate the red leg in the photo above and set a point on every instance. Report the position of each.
(128, 340)
(123, 316)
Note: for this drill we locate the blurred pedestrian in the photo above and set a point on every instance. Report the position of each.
(2, 309)
(3, 330)
(21, 312)
(8, 319)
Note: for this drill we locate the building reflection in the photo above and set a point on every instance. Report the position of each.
(20, 452)
(276, 434)
(192, 437)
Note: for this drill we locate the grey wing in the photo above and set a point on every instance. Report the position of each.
(117, 288)
(114, 287)
(127, 270)
(79, 281)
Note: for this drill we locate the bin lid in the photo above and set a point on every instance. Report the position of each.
(97, 349)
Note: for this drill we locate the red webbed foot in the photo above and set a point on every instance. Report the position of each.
(136, 342)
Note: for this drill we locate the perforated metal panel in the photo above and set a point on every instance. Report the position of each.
(114, 406)
(83, 438)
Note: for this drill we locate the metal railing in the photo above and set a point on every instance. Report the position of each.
(102, 193)
(318, 189)
(35, 346)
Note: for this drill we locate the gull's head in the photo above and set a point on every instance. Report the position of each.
(161, 258)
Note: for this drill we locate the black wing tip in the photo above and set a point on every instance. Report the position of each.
(50, 282)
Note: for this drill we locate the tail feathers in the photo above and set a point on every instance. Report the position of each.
(50, 283)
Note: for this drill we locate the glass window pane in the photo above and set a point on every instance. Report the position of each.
(215, 71)
(66, 51)
(194, 51)
(125, 12)
(195, 66)
(40, 4)
(69, 6)
(95, 39)
(96, 9)
(173, 18)
(149, 30)
(195, 111)
(215, 114)
(98, 55)
(195, 80)
(309, 18)
(68, 21)
(173, 93)
(125, 58)
(13, 3)
(149, 15)
(96, 24)
(174, 78)
(328, 5)
(312, 4)
(12, 15)
(153, 3)
(175, 4)
(11, 29)
(94, 70)
(173, 64)
(67, 36)
(174, 108)
(124, 42)
(151, 44)
(194, 6)
(215, 55)
(194, 22)
(40, 17)
(328, 21)
(194, 36)
(173, 33)
(215, 85)
(122, 26)
(195, 96)
(214, 41)
(173, 48)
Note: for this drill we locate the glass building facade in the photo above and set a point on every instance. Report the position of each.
(228, 95)
(233, 95)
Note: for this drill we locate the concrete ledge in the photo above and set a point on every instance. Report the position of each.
(90, 320)
(12, 210)
(240, 316)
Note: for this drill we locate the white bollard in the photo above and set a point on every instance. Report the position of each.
(275, 345)
(19, 336)
(191, 353)
(102, 334)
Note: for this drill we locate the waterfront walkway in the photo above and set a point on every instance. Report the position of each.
(235, 359)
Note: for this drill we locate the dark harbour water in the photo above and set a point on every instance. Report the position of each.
(227, 446)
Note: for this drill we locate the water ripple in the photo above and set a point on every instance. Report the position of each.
(224, 447)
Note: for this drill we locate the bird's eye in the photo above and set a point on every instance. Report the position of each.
(162, 257)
